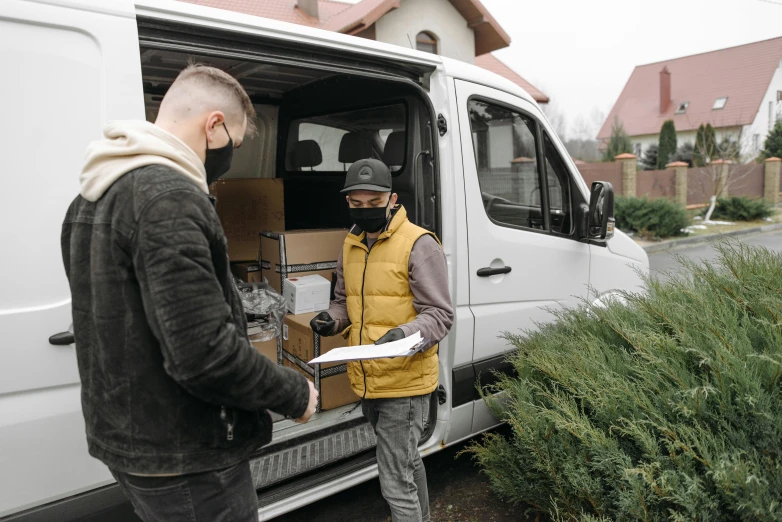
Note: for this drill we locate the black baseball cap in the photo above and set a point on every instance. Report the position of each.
(368, 174)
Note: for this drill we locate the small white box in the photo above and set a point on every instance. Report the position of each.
(307, 294)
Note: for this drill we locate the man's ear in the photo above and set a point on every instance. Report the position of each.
(214, 119)
(393, 200)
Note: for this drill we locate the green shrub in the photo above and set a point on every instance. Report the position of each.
(654, 218)
(666, 407)
(741, 209)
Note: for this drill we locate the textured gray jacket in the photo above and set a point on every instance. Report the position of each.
(170, 381)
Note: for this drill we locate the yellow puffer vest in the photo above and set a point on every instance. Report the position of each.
(377, 285)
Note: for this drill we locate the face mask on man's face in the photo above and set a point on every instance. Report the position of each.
(370, 219)
(218, 161)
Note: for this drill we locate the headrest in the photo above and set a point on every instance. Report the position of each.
(354, 147)
(305, 154)
(394, 152)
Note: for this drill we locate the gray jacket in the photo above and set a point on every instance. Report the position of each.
(170, 381)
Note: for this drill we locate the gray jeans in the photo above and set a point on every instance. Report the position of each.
(226, 495)
(399, 424)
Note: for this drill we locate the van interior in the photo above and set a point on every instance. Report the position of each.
(312, 125)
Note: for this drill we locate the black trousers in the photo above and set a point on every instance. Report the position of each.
(226, 495)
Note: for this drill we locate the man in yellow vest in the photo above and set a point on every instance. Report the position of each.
(392, 281)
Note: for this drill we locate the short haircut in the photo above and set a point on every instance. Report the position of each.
(228, 92)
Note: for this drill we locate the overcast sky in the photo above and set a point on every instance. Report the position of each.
(581, 52)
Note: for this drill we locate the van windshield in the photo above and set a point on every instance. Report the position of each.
(333, 142)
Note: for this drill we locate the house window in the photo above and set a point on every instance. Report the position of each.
(770, 115)
(426, 42)
(756, 142)
(682, 108)
(719, 103)
(637, 150)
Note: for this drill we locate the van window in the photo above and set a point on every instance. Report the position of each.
(506, 158)
(333, 142)
(558, 179)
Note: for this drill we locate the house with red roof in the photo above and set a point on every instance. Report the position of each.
(737, 90)
(460, 29)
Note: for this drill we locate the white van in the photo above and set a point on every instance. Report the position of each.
(469, 151)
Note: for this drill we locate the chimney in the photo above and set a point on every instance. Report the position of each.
(665, 90)
(310, 7)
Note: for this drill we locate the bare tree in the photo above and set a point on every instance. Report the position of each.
(724, 168)
(556, 118)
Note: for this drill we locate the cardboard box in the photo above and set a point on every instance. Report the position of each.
(306, 294)
(245, 207)
(299, 340)
(247, 272)
(335, 391)
(267, 348)
(298, 253)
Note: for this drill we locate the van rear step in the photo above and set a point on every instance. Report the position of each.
(309, 456)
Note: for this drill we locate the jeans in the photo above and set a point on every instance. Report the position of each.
(399, 424)
(226, 495)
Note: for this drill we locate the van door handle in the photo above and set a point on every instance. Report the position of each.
(486, 272)
(62, 339)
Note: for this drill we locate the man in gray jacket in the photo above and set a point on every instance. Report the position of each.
(174, 396)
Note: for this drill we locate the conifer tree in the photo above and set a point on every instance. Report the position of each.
(668, 144)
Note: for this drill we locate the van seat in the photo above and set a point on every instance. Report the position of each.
(306, 154)
(394, 151)
(353, 147)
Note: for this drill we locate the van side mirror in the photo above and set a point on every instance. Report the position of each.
(598, 223)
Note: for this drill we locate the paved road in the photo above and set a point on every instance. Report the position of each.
(662, 262)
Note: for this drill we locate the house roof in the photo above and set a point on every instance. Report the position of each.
(353, 18)
(495, 65)
(282, 10)
(742, 74)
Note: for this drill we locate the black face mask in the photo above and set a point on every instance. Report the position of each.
(370, 219)
(218, 161)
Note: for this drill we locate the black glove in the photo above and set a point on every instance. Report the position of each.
(391, 336)
(323, 324)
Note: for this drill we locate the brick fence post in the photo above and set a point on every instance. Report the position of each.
(629, 173)
(680, 192)
(771, 180)
(723, 176)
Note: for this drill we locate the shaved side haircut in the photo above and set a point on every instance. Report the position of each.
(200, 88)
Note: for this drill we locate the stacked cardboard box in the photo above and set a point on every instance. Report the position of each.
(299, 253)
(247, 272)
(245, 207)
(267, 348)
(300, 345)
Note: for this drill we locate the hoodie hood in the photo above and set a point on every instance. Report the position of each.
(128, 145)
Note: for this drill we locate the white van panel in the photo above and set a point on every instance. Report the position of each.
(611, 272)
(548, 271)
(75, 65)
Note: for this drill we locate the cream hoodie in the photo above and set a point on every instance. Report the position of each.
(128, 145)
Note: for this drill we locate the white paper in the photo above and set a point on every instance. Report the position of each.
(401, 348)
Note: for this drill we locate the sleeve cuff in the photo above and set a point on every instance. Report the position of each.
(407, 330)
(304, 397)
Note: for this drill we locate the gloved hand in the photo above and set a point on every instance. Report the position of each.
(323, 324)
(392, 335)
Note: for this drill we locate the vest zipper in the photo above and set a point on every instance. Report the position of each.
(361, 331)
